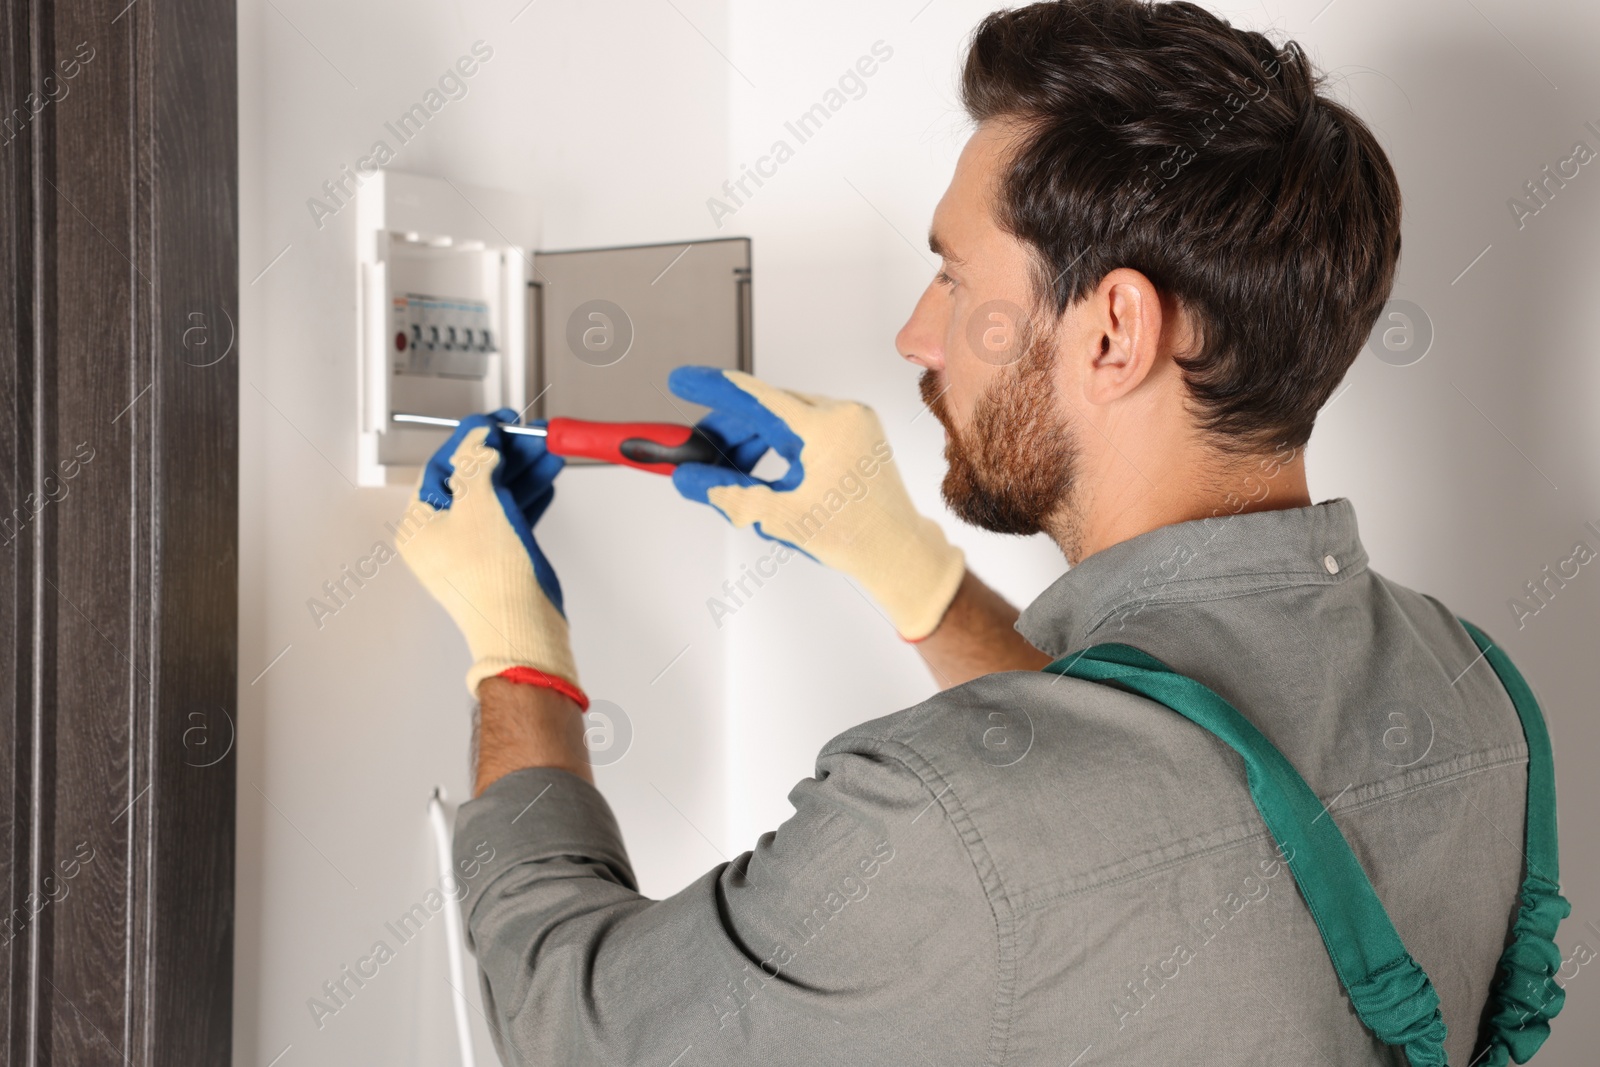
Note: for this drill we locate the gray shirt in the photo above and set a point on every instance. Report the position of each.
(1032, 869)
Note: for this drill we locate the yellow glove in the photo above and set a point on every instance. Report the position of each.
(841, 501)
(468, 537)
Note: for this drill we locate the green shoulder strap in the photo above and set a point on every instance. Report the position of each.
(1526, 995)
(1388, 989)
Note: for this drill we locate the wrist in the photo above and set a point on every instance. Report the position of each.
(539, 679)
(523, 726)
(977, 636)
(527, 644)
(550, 668)
(920, 580)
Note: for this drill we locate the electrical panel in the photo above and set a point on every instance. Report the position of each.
(443, 323)
(460, 315)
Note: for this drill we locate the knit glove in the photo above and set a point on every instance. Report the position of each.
(468, 537)
(841, 501)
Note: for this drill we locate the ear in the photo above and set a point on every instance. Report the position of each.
(1126, 309)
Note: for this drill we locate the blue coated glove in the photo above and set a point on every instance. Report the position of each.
(841, 501)
(468, 536)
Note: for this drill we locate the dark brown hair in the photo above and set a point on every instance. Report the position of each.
(1158, 137)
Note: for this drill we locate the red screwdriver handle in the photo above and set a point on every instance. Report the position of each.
(656, 447)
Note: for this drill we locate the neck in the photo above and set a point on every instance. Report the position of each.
(1101, 512)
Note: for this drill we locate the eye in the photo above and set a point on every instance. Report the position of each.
(944, 279)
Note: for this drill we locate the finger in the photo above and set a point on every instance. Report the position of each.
(784, 403)
(532, 499)
(736, 395)
(434, 489)
(531, 495)
(547, 466)
(708, 387)
(498, 439)
(743, 454)
(695, 480)
(726, 392)
(737, 442)
(476, 462)
(523, 453)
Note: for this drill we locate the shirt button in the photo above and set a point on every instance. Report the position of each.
(1331, 563)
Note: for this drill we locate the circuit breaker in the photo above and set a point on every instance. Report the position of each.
(442, 337)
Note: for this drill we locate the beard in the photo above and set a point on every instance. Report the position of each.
(1012, 468)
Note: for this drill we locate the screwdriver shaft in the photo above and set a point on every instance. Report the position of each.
(434, 420)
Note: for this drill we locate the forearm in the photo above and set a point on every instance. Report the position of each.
(977, 637)
(526, 726)
(832, 907)
(530, 726)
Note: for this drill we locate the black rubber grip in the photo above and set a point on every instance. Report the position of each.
(698, 448)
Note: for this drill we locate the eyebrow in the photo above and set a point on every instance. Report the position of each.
(938, 248)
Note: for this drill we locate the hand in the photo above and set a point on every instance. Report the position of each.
(468, 537)
(841, 501)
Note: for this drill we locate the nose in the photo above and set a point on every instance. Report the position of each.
(921, 339)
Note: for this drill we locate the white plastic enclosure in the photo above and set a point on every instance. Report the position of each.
(443, 319)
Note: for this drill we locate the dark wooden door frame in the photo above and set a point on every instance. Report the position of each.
(118, 529)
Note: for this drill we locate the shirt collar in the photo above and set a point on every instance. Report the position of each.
(1203, 559)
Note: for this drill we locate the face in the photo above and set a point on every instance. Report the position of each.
(989, 358)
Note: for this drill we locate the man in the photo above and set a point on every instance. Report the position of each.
(1161, 251)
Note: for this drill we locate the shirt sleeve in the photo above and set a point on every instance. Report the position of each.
(858, 932)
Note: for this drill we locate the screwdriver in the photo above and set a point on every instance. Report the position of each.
(657, 447)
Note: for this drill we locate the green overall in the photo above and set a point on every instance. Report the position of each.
(1389, 991)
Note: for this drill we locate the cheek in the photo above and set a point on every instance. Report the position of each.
(965, 382)
(963, 374)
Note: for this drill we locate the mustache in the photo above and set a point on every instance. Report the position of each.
(932, 392)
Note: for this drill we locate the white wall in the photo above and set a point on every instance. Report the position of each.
(624, 118)
(343, 739)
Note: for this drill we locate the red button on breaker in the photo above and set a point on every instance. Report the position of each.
(400, 341)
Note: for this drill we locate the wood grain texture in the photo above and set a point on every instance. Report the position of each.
(118, 517)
